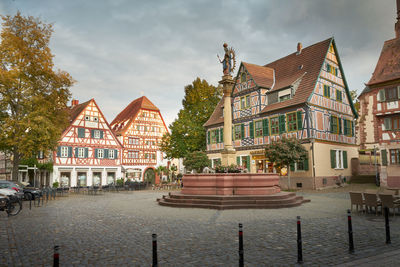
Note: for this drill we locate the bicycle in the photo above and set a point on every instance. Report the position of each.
(11, 204)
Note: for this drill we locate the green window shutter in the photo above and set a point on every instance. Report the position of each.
(76, 152)
(59, 151)
(328, 68)
(251, 125)
(233, 133)
(333, 159)
(86, 152)
(291, 167)
(115, 153)
(106, 153)
(384, 157)
(221, 135)
(345, 127)
(92, 133)
(242, 130)
(216, 132)
(306, 164)
(331, 129)
(70, 152)
(381, 95)
(248, 163)
(237, 160)
(387, 122)
(81, 132)
(95, 153)
(340, 125)
(299, 121)
(265, 127)
(101, 134)
(282, 126)
(208, 137)
(329, 91)
(352, 128)
(345, 159)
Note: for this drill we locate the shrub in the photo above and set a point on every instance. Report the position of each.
(56, 184)
(229, 169)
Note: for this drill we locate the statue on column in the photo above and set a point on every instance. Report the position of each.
(229, 61)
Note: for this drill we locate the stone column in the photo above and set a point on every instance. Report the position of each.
(228, 153)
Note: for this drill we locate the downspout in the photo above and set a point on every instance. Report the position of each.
(309, 125)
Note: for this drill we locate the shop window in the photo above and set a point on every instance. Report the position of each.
(394, 156)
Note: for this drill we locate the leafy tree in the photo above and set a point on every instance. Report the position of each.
(284, 152)
(197, 161)
(187, 131)
(354, 94)
(33, 96)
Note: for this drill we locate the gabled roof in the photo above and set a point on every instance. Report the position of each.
(262, 76)
(305, 65)
(123, 119)
(76, 110)
(388, 66)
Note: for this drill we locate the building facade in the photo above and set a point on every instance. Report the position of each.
(379, 122)
(139, 128)
(303, 95)
(88, 153)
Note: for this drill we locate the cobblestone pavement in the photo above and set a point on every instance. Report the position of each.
(116, 228)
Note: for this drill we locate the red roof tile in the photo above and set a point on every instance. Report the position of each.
(217, 116)
(123, 119)
(263, 76)
(76, 110)
(388, 66)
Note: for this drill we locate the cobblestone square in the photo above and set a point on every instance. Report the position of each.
(116, 228)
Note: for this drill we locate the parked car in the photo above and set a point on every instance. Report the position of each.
(22, 191)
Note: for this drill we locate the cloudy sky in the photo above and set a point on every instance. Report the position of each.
(119, 50)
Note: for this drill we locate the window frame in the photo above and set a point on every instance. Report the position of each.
(258, 131)
(100, 153)
(64, 152)
(111, 153)
(243, 77)
(237, 132)
(336, 119)
(339, 96)
(81, 152)
(276, 126)
(327, 91)
(291, 123)
(394, 154)
(96, 134)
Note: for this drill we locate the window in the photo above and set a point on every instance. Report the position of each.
(331, 69)
(133, 141)
(245, 102)
(301, 165)
(275, 125)
(334, 124)
(387, 124)
(284, 97)
(215, 163)
(40, 154)
(347, 127)
(111, 153)
(64, 152)
(396, 123)
(238, 132)
(138, 127)
(339, 159)
(292, 122)
(259, 128)
(338, 95)
(327, 91)
(215, 136)
(87, 118)
(133, 154)
(391, 94)
(243, 77)
(96, 134)
(144, 114)
(100, 153)
(81, 132)
(95, 118)
(81, 152)
(394, 156)
(243, 161)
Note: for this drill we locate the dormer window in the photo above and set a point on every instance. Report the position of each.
(243, 77)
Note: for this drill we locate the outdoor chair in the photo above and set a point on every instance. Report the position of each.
(371, 200)
(356, 198)
(390, 202)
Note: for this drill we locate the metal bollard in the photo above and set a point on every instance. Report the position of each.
(350, 230)
(299, 242)
(241, 252)
(47, 195)
(155, 260)
(56, 257)
(30, 203)
(387, 227)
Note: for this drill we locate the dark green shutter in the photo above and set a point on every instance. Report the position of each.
(265, 126)
(101, 134)
(208, 136)
(291, 166)
(237, 160)
(331, 130)
(333, 159)
(81, 132)
(86, 152)
(340, 125)
(116, 154)
(70, 152)
(59, 151)
(299, 120)
(105, 153)
(216, 133)
(306, 164)
(345, 159)
(345, 127)
(251, 125)
(282, 125)
(248, 163)
(76, 152)
(384, 157)
(221, 135)
(352, 128)
(242, 130)
(95, 152)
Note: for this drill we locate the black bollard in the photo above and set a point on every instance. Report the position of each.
(299, 242)
(350, 229)
(387, 225)
(56, 257)
(47, 195)
(155, 260)
(30, 203)
(241, 253)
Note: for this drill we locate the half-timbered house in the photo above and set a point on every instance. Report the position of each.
(303, 95)
(379, 123)
(88, 153)
(139, 128)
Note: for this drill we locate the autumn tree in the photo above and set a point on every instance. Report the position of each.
(187, 131)
(284, 152)
(33, 95)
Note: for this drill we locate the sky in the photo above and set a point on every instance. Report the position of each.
(119, 50)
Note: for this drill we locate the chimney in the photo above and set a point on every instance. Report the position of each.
(397, 25)
(74, 102)
(300, 46)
